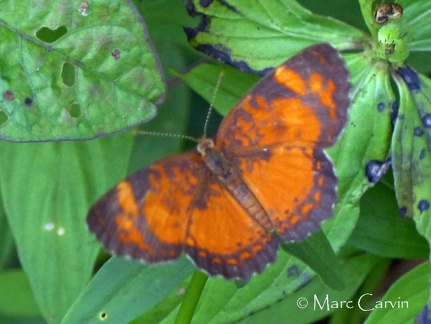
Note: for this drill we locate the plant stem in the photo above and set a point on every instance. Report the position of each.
(191, 297)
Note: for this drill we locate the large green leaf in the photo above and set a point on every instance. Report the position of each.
(16, 298)
(47, 189)
(417, 20)
(404, 300)
(411, 145)
(121, 290)
(70, 73)
(257, 35)
(381, 230)
(223, 302)
(317, 253)
(6, 239)
(313, 302)
(234, 83)
(366, 138)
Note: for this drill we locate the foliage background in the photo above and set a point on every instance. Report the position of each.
(45, 274)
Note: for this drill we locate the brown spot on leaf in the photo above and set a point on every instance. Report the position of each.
(8, 95)
(116, 54)
(83, 8)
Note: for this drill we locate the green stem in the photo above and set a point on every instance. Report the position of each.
(191, 297)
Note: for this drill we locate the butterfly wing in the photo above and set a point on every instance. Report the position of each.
(276, 134)
(296, 186)
(223, 239)
(146, 215)
(175, 205)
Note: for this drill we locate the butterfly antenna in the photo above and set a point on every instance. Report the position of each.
(147, 133)
(220, 76)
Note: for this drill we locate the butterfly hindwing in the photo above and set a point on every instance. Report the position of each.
(296, 187)
(223, 239)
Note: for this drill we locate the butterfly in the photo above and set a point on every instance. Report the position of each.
(263, 180)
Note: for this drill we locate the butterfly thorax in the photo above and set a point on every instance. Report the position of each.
(230, 177)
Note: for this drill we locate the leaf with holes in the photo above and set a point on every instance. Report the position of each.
(123, 289)
(73, 70)
(411, 145)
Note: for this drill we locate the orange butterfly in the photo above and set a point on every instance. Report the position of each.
(264, 178)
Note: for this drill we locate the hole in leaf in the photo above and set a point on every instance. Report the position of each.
(103, 316)
(75, 111)
(48, 35)
(3, 117)
(68, 74)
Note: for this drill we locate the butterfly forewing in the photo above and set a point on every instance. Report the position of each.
(303, 102)
(146, 215)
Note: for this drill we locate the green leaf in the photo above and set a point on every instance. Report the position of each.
(6, 239)
(234, 83)
(411, 145)
(164, 24)
(347, 12)
(121, 290)
(372, 283)
(318, 297)
(222, 302)
(47, 189)
(367, 11)
(317, 253)
(72, 74)
(255, 36)
(173, 115)
(382, 231)
(16, 298)
(417, 24)
(225, 301)
(172, 301)
(404, 300)
(366, 138)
